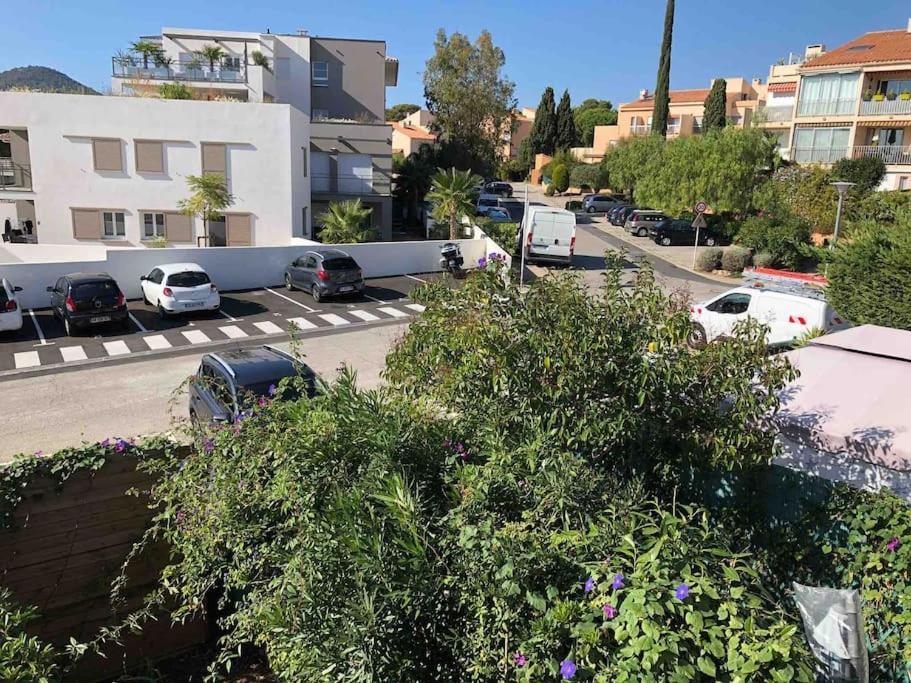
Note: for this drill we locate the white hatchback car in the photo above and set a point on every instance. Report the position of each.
(10, 311)
(179, 288)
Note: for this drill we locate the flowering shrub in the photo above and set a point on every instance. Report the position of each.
(23, 658)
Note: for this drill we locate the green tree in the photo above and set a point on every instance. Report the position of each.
(559, 177)
(397, 112)
(662, 97)
(633, 160)
(208, 199)
(587, 119)
(411, 179)
(588, 175)
(452, 193)
(346, 223)
(566, 125)
(544, 130)
(211, 53)
(526, 156)
(470, 98)
(259, 59)
(146, 49)
(715, 115)
(175, 91)
(802, 191)
(866, 172)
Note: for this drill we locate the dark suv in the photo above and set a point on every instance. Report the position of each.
(229, 382)
(498, 188)
(325, 273)
(82, 300)
(681, 232)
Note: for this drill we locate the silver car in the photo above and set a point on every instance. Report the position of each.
(639, 221)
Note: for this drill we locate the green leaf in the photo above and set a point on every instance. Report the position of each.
(706, 666)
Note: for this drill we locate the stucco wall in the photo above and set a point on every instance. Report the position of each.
(357, 78)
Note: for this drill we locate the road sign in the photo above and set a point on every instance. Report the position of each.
(699, 223)
(701, 207)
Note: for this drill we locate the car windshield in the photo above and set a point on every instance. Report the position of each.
(3, 296)
(90, 290)
(189, 278)
(498, 214)
(487, 202)
(342, 263)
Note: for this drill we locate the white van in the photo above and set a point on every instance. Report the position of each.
(550, 234)
(787, 303)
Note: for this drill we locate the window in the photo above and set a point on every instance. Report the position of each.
(320, 73)
(311, 262)
(904, 183)
(149, 156)
(156, 276)
(188, 278)
(820, 145)
(113, 224)
(732, 304)
(152, 225)
(355, 173)
(828, 94)
(231, 63)
(214, 158)
(321, 176)
(107, 155)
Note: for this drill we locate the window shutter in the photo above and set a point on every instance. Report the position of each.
(107, 154)
(149, 156)
(214, 158)
(239, 228)
(178, 227)
(86, 224)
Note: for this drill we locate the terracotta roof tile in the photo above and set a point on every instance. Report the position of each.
(676, 96)
(412, 132)
(788, 86)
(877, 46)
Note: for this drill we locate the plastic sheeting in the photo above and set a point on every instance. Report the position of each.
(834, 626)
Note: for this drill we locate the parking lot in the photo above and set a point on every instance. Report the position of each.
(266, 314)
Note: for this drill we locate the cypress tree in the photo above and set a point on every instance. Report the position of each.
(662, 87)
(715, 114)
(544, 131)
(566, 124)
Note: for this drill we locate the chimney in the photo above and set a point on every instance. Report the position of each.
(813, 51)
(643, 93)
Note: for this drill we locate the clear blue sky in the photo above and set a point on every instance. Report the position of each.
(605, 49)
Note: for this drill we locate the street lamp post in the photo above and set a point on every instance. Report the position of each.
(842, 186)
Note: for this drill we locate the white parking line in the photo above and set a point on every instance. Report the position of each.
(38, 329)
(116, 348)
(71, 353)
(196, 336)
(416, 307)
(394, 312)
(268, 327)
(137, 323)
(413, 277)
(373, 298)
(288, 298)
(157, 342)
(233, 332)
(334, 319)
(364, 315)
(26, 359)
(229, 317)
(301, 323)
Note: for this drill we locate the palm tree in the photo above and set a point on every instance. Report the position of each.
(212, 53)
(452, 192)
(345, 223)
(412, 179)
(148, 50)
(208, 199)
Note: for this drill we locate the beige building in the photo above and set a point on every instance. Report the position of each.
(523, 122)
(411, 132)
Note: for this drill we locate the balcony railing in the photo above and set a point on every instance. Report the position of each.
(14, 175)
(180, 71)
(355, 185)
(640, 129)
(889, 154)
(777, 114)
(815, 155)
(673, 129)
(838, 107)
(874, 108)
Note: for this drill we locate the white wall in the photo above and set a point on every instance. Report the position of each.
(264, 168)
(232, 267)
(293, 87)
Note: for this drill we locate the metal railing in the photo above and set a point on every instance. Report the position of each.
(640, 129)
(818, 155)
(889, 154)
(14, 175)
(874, 107)
(837, 107)
(355, 185)
(777, 114)
(180, 71)
(673, 129)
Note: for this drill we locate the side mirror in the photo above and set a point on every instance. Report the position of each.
(143, 278)
(50, 289)
(17, 289)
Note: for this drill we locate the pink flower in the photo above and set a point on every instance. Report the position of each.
(894, 544)
(38, 454)
(521, 659)
(610, 611)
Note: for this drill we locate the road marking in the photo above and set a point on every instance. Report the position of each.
(71, 353)
(364, 315)
(233, 332)
(26, 359)
(288, 298)
(394, 312)
(416, 278)
(38, 329)
(415, 307)
(196, 336)
(157, 342)
(334, 319)
(301, 323)
(373, 298)
(269, 327)
(229, 317)
(138, 324)
(116, 348)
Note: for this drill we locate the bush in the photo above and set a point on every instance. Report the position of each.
(881, 207)
(866, 172)
(504, 234)
(23, 657)
(549, 190)
(175, 91)
(709, 259)
(736, 259)
(764, 259)
(785, 239)
(573, 205)
(800, 191)
(591, 176)
(560, 178)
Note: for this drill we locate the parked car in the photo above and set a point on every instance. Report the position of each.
(229, 382)
(639, 221)
(81, 300)
(10, 311)
(486, 202)
(498, 188)
(622, 213)
(326, 273)
(681, 232)
(550, 234)
(601, 202)
(179, 288)
(498, 215)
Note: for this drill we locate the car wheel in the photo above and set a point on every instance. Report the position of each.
(710, 241)
(642, 232)
(163, 314)
(144, 299)
(665, 241)
(288, 284)
(67, 328)
(316, 293)
(590, 209)
(697, 338)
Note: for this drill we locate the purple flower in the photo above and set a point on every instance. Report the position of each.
(894, 544)
(567, 669)
(482, 262)
(610, 611)
(589, 585)
(263, 402)
(618, 582)
(208, 445)
(521, 659)
(39, 453)
(272, 389)
(682, 592)
(121, 445)
(106, 442)
(181, 516)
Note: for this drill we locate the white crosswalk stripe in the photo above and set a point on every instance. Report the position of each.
(196, 337)
(233, 332)
(71, 353)
(157, 342)
(302, 323)
(394, 312)
(116, 348)
(26, 359)
(334, 319)
(364, 315)
(268, 327)
(416, 307)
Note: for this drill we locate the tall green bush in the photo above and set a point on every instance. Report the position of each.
(24, 658)
(784, 239)
(588, 175)
(559, 177)
(866, 172)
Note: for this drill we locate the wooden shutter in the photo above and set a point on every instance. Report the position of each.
(214, 158)
(240, 230)
(149, 156)
(86, 224)
(107, 154)
(178, 227)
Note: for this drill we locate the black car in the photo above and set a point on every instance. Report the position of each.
(681, 232)
(619, 219)
(331, 272)
(498, 188)
(230, 382)
(82, 300)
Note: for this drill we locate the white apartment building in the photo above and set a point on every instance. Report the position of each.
(292, 121)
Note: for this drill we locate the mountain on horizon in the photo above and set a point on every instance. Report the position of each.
(42, 78)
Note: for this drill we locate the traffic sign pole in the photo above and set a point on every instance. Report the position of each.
(698, 223)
